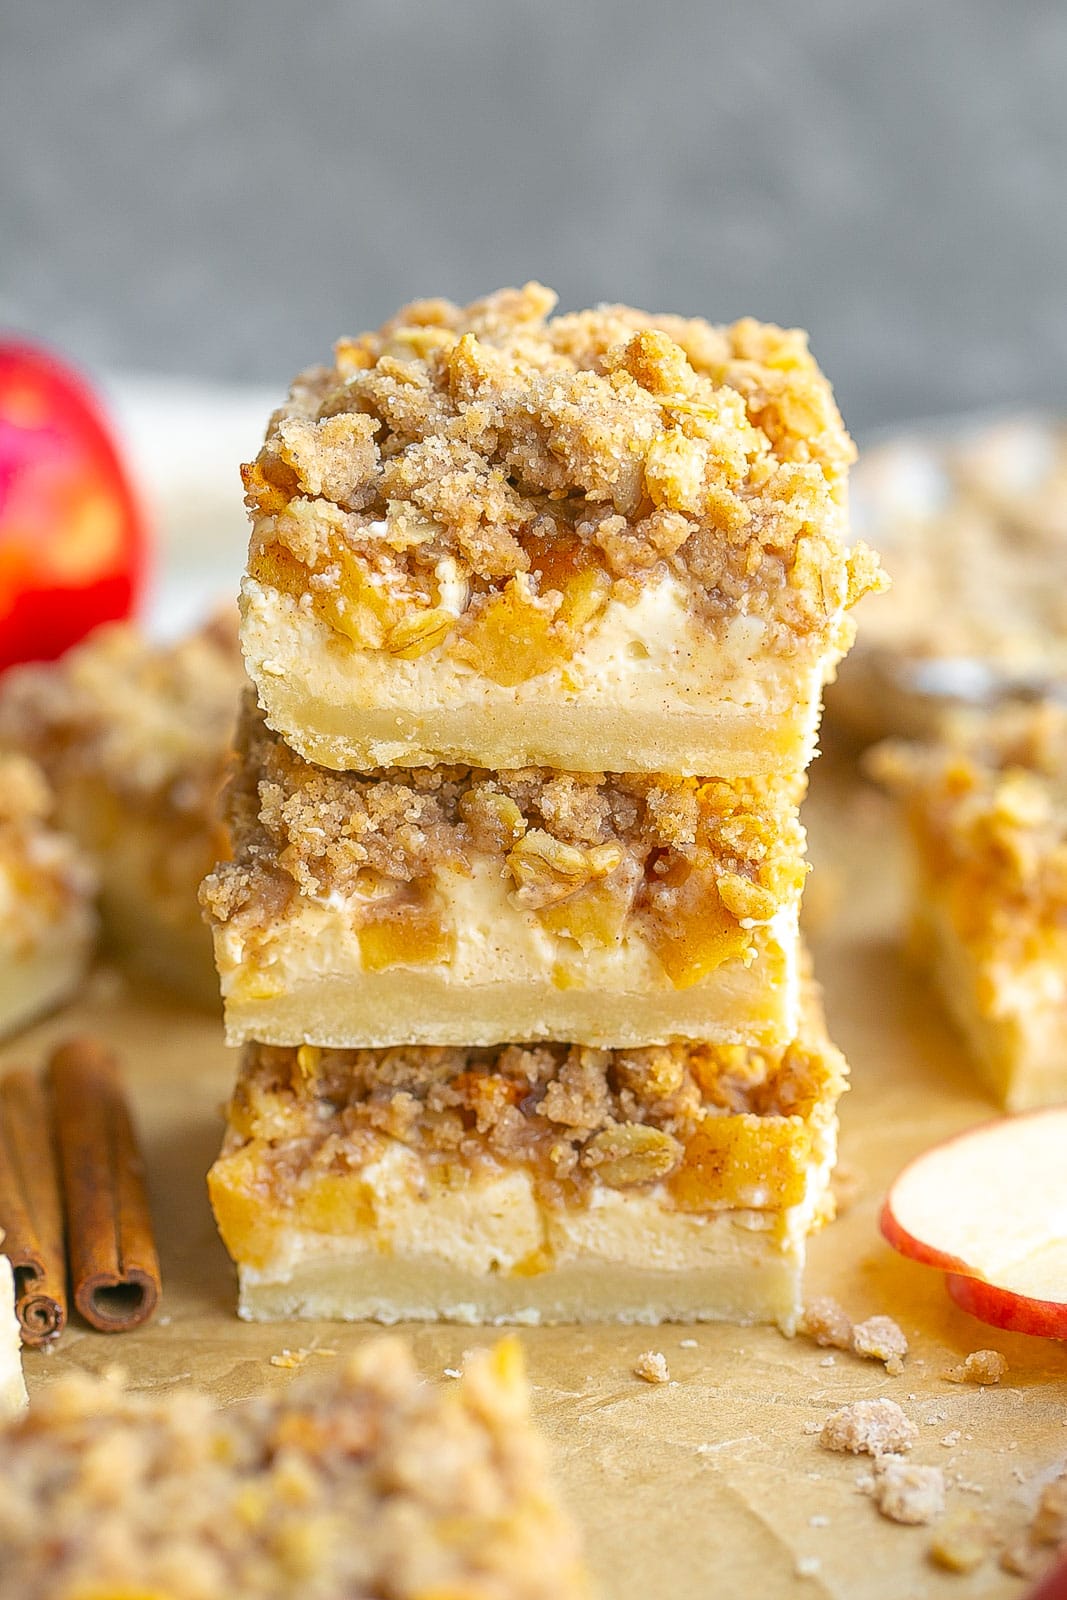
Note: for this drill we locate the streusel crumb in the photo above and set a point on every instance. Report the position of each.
(365, 1482)
(465, 469)
(652, 1367)
(826, 1323)
(869, 1427)
(880, 1339)
(907, 1493)
(981, 1366)
(962, 1541)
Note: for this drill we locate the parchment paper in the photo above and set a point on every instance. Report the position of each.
(707, 1486)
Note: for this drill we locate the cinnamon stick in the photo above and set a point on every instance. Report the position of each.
(31, 1211)
(114, 1268)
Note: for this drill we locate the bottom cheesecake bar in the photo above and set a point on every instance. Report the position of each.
(986, 816)
(12, 1387)
(529, 1183)
(366, 1482)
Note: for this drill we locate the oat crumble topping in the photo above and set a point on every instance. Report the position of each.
(697, 865)
(710, 1123)
(365, 1482)
(42, 870)
(469, 477)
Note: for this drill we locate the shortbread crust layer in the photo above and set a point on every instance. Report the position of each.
(462, 906)
(529, 1183)
(134, 738)
(986, 815)
(608, 540)
(364, 1481)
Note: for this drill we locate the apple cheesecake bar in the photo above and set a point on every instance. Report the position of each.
(47, 923)
(986, 815)
(12, 1387)
(606, 541)
(365, 1483)
(972, 528)
(134, 738)
(454, 905)
(529, 1183)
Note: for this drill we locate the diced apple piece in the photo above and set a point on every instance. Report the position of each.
(990, 1208)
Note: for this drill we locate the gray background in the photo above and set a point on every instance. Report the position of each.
(220, 187)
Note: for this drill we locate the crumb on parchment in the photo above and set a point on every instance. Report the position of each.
(652, 1366)
(869, 1427)
(880, 1339)
(1045, 1537)
(962, 1542)
(905, 1492)
(981, 1366)
(296, 1358)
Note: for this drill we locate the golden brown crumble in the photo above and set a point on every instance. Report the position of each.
(470, 477)
(698, 864)
(905, 1492)
(826, 1323)
(987, 812)
(43, 872)
(151, 723)
(365, 1482)
(962, 1541)
(881, 1339)
(1046, 1536)
(981, 1366)
(651, 1366)
(708, 1122)
(869, 1427)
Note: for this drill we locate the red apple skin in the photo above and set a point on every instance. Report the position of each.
(1053, 1586)
(61, 476)
(918, 1249)
(1003, 1308)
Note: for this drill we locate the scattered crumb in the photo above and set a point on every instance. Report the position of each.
(881, 1339)
(652, 1367)
(808, 1566)
(907, 1493)
(935, 1417)
(453, 1372)
(296, 1358)
(818, 1522)
(828, 1361)
(962, 1542)
(981, 1366)
(968, 1486)
(870, 1427)
(865, 1482)
(951, 1439)
(826, 1323)
(687, 1344)
(813, 1427)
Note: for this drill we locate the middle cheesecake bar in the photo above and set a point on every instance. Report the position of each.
(454, 905)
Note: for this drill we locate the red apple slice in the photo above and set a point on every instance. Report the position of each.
(990, 1208)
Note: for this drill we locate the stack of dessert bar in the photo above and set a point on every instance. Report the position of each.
(539, 612)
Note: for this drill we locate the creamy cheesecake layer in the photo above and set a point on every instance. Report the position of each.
(531, 1183)
(986, 815)
(134, 739)
(364, 1481)
(601, 541)
(648, 692)
(461, 905)
(47, 925)
(12, 1387)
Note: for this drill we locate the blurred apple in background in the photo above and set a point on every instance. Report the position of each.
(73, 539)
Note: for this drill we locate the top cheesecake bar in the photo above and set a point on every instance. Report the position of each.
(599, 541)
